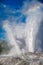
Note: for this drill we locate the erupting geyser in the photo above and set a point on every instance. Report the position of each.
(32, 25)
(33, 20)
(11, 40)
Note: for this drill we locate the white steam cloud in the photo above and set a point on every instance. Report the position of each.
(24, 33)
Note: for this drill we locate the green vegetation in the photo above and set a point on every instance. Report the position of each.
(4, 48)
(1, 48)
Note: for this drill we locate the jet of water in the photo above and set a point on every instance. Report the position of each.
(11, 39)
(33, 20)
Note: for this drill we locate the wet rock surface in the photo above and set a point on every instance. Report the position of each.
(25, 59)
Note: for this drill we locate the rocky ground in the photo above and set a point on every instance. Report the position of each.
(25, 59)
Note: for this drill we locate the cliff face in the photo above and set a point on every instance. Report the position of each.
(25, 59)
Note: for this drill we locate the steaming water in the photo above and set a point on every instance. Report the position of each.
(11, 39)
(32, 25)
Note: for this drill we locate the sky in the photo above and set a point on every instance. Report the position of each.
(15, 16)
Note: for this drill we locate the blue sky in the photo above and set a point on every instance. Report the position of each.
(8, 8)
(16, 3)
(13, 3)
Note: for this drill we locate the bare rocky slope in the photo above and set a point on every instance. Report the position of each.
(24, 59)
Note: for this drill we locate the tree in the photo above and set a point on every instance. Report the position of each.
(4, 48)
(0, 49)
